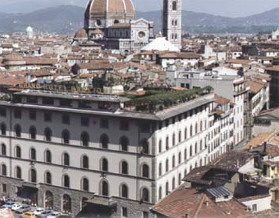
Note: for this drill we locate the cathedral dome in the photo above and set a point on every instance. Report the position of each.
(81, 34)
(103, 13)
(103, 7)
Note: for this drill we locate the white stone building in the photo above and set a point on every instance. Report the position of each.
(227, 84)
(71, 148)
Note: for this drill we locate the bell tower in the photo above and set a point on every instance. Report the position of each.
(172, 19)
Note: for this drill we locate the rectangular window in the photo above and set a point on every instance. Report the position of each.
(4, 188)
(17, 113)
(48, 101)
(104, 123)
(47, 116)
(145, 214)
(32, 99)
(65, 103)
(32, 115)
(65, 119)
(145, 127)
(84, 121)
(3, 112)
(254, 207)
(124, 212)
(84, 104)
(124, 125)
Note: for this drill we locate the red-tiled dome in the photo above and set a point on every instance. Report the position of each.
(102, 8)
(81, 34)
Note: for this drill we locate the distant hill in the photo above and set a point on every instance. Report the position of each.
(68, 19)
(61, 19)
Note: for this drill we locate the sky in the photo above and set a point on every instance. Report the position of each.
(230, 8)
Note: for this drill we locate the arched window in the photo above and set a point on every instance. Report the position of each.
(201, 126)
(84, 137)
(104, 141)
(167, 165)
(179, 178)
(17, 130)
(124, 167)
(196, 128)
(33, 155)
(201, 145)
(48, 134)
(3, 149)
(48, 200)
(33, 175)
(145, 146)
(65, 137)
(48, 156)
(18, 172)
(160, 192)
(196, 148)
(173, 139)
(85, 162)
(66, 159)
(185, 134)
(67, 204)
(173, 183)
(160, 146)
(179, 136)
(4, 170)
(48, 178)
(104, 164)
(66, 181)
(124, 142)
(145, 171)
(32, 132)
(173, 161)
(85, 184)
(160, 169)
(145, 195)
(191, 151)
(174, 5)
(3, 129)
(167, 188)
(191, 131)
(185, 154)
(84, 202)
(124, 191)
(167, 143)
(18, 152)
(179, 158)
(104, 188)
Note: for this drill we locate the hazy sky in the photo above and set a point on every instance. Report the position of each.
(232, 8)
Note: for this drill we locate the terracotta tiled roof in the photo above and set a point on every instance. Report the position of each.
(255, 86)
(273, 68)
(182, 55)
(259, 140)
(103, 7)
(120, 25)
(221, 100)
(189, 201)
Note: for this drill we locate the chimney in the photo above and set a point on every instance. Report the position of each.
(237, 164)
(265, 145)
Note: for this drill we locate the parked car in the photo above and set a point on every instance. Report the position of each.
(45, 213)
(8, 204)
(37, 211)
(24, 208)
(28, 214)
(16, 206)
(54, 214)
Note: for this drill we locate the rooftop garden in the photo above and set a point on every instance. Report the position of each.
(158, 100)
